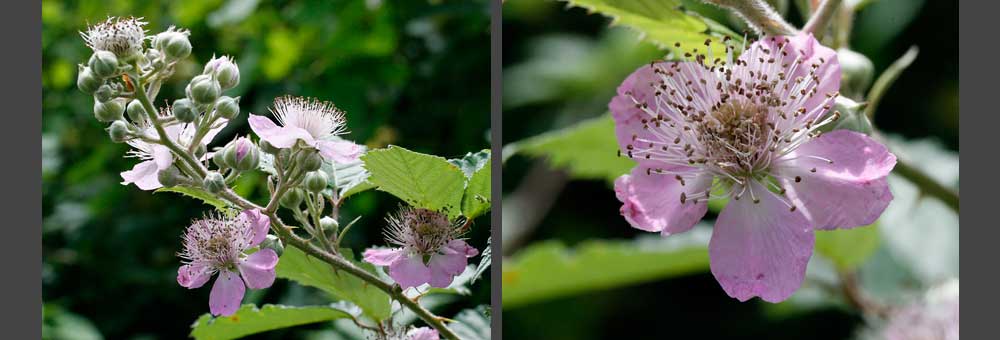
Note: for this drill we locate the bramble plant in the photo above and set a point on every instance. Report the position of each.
(312, 170)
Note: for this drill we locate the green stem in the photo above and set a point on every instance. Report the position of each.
(817, 23)
(140, 93)
(927, 184)
(759, 14)
(886, 79)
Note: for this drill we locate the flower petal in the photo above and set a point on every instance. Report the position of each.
(409, 271)
(652, 201)
(279, 136)
(383, 256)
(423, 333)
(339, 151)
(144, 175)
(760, 249)
(210, 135)
(852, 191)
(444, 268)
(260, 224)
(227, 293)
(258, 268)
(193, 276)
(162, 157)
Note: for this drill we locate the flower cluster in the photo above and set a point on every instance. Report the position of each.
(428, 250)
(747, 129)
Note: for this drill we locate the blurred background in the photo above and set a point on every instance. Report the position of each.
(574, 269)
(413, 73)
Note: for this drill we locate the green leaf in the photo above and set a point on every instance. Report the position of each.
(476, 200)
(471, 162)
(848, 248)
(422, 180)
(588, 149)
(662, 22)
(251, 320)
(349, 178)
(549, 270)
(307, 270)
(197, 193)
(472, 324)
(484, 261)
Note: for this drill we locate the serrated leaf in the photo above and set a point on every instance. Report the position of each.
(550, 270)
(587, 150)
(422, 180)
(251, 320)
(472, 324)
(485, 260)
(471, 162)
(307, 270)
(662, 22)
(476, 199)
(348, 178)
(197, 193)
(848, 248)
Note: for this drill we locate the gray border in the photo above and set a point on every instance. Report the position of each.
(22, 210)
(496, 139)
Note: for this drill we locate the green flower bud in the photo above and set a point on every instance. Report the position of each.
(118, 131)
(242, 154)
(184, 110)
(109, 111)
(224, 70)
(316, 181)
(309, 160)
(851, 117)
(274, 243)
(329, 223)
(104, 93)
(214, 182)
(220, 160)
(174, 44)
(228, 107)
(170, 176)
(292, 198)
(268, 148)
(87, 81)
(136, 112)
(857, 72)
(104, 64)
(204, 90)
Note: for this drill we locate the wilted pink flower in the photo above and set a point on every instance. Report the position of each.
(316, 123)
(748, 128)
(216, 244)
(156, 157)
(428, 251)
(423, 333)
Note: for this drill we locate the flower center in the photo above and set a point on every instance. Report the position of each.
(734, 134)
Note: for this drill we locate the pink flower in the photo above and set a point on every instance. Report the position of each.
(748, 128)
(156, 157)
(216, 244)
(315, 123)
(422, 333)
(428, 251)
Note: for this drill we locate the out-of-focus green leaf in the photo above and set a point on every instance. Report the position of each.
(307, 270)
(421, 180)
(848, 248)
(232, 12)
(662, 22)
(251, 320)
(549, 270)
(587, 150)
(196, 193)
(472, 324)
(60, 324)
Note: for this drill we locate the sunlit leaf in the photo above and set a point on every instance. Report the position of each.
(251, 320)
(196, 193)
(307, 270)
(422, 180)
(472, 324)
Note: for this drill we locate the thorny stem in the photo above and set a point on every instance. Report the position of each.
(817, 23)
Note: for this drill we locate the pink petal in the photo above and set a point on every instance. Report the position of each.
(279, 136)
(410, 271)
(260, 224)
(652, 202)
(162, 157)
(760, 249)
(383, 256)
(850, 192)
(460, 247)
(444, 268)
(227, 293)
(339, 151)
(423, 333)
(258, 268)
(144, 175)
(193, 276)
(210, 135)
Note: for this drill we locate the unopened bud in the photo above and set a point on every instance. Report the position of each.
(857, 71)
(104, 64)
(184, 110)
(220, 160)
(214, 182)
(87, 81)
(170, 176)
(174, 44)
(316, 181)
(118, 131)
(204, 89)
(292, 198)
(200, 151)
(242, 154)
(328, 223)
(274, 243)
(104, 93)
(136, 112)
(228, 107)
(109, 111)
(309, 160)
(224, 70)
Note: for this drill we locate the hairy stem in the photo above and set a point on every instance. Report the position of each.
(140, 93)
(819, 20)
(759, 15)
